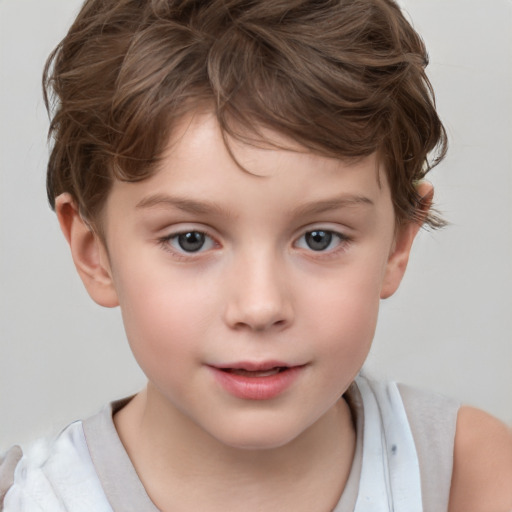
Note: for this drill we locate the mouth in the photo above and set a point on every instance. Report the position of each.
(256, 373)
(256, 369)
(257, 381)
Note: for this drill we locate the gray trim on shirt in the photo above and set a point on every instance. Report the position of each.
(433, 420)
(118, 477)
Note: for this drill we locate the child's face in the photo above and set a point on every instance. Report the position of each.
(220, 273)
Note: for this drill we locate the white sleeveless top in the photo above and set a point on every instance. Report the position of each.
(402, 463)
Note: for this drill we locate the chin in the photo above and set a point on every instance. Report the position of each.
(260, 436)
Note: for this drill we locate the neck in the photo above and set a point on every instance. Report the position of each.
(174, 458)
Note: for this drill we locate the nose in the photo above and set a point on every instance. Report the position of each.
(258, 295)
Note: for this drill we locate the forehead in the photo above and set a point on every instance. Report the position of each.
(260, 151)
(274, 171)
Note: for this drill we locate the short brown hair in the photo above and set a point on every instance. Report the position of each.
(343, 78)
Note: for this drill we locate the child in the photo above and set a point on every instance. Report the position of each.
(244, 178)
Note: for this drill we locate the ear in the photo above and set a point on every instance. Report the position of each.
(397, 262)
(88, 251)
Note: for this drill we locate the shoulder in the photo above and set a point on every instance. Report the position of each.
(8, 463)
(482, 471)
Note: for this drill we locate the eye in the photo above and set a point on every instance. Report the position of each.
(320, 240)
(190, 241)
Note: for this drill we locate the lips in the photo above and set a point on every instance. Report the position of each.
(256, 381)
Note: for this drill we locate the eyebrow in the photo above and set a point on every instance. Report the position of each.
(182, 203)
(211, 208)
(334, 203)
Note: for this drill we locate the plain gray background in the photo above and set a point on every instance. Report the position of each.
(449, 327)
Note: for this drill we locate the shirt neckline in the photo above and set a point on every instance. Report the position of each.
(123, 487)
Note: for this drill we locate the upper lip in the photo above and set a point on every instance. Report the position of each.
(254, 366)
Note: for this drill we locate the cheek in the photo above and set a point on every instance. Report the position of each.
(163, 317)
(345, 309)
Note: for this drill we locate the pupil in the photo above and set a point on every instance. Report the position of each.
(318, 240)
(191, 242)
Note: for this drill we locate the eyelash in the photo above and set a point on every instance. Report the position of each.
(180, 253)
(165, 243)
(341, 244)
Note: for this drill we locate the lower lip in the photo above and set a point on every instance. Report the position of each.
(257, 388)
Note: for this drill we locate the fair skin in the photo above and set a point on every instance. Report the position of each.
(482, 472)
(250, 301)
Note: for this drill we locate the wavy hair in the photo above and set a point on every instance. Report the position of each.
(343, 78)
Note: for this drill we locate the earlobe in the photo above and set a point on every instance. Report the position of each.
(399, 257)
(88, 252)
